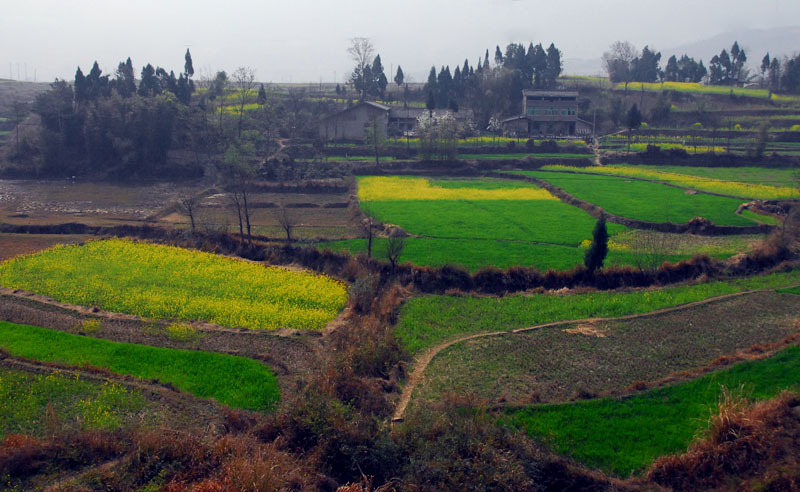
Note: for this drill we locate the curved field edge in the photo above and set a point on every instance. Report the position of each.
(622, 436)
(429, 320)
(644, 200)
(605, 357)
(166, 282)
(234, 381)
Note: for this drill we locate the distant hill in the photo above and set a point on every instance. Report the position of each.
(781, 41)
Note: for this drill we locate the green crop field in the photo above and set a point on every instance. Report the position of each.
(476, 223)
(474, 254)
(428, 320)
(28, 398)
(725, 187)
(172, 283)
(622, 436)
(695, 88)
(644, 200)
(234, 381)
(524, 155)
(752, 175)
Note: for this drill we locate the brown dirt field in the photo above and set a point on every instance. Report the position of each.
(55, 202)
(12, 245)
(551, 365)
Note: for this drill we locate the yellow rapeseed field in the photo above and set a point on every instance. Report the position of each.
(165, 282)
(747, 190)
(393, 188)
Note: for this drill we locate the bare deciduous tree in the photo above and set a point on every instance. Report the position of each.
(190, 202)
(244, 78)
(287, 220)
(394, 248)
(362, 52)
(367, 225)
(617, 62)
(651, 248)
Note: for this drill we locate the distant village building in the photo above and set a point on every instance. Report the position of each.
(352, 123)
(547, 114)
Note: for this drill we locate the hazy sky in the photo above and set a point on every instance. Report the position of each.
(305, 40)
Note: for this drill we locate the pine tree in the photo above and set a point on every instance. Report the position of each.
(188, 69)
(486, 59)
(596, 254)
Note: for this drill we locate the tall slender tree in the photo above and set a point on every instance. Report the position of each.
(188, 68)
(399, 77)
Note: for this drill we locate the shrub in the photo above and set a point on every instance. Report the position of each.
(363, 292)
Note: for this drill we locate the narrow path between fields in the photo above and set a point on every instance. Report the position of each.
(424, 359)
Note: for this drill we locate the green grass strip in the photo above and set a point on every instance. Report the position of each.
(622, 436)
(427, 321)
(234, 381)
(766, 219)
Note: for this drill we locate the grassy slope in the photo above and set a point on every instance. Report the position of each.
(643, 200)
(426, 321)
(233, 381)
(623, 436)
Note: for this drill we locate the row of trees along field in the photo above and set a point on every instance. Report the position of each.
(159, 125)
(623, 63)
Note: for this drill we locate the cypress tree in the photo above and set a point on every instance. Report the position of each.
(596, 254)
(399, 77)
(262, 94)
(188, 69)
(81, 87)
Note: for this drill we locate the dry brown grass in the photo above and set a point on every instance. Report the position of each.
(746, 447)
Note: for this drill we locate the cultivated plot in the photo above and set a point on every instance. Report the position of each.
(165, 282)
(642, 200)
(705, 183)
(478, 222)
(622, 436)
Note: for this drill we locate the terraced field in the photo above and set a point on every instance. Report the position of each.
(622, 436)
(429, 320)
(476, 223)
(725, 187)
(754, 175)
(643, 200)
(231, 380)
(171, 283)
